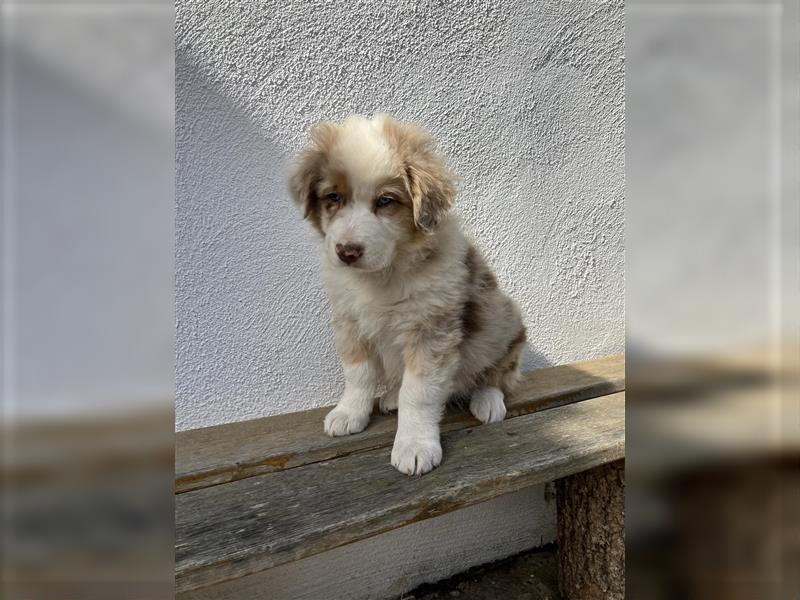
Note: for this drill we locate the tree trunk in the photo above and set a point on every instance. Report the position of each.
(591, 533)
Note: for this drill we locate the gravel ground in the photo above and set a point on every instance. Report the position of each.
(528, 576)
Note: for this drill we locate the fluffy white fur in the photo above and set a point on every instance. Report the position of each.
(415, 307)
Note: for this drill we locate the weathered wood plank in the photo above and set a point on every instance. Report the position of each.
(225, 532)
(213, 455)
(391, 564)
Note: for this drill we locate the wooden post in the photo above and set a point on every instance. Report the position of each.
(591, 533)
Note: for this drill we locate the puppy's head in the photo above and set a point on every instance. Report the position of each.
(371, 187)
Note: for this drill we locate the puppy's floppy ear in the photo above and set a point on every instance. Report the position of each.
(430, 184)
(308, 171)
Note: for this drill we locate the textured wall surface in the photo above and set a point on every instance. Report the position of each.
(527, 102)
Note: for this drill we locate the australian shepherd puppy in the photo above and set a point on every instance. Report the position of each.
(416, 309)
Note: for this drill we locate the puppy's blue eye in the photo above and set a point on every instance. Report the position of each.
(384, 200)
(333, 198)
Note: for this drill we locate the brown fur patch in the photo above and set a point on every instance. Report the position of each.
(487, 280)
(337, 183)
(477, 270)
(354, 354)
(518, 339)
(503, 374)
(403, 214)
(430, 184)
(469, 263)
(334, 183)
(308, 173)
(397, 188)
(470, 318)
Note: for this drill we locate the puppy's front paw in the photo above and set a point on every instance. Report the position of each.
(389, 401)
(487, 405)
(344, 421)
(416, 456)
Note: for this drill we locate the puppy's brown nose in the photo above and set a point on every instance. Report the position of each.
(349, 253)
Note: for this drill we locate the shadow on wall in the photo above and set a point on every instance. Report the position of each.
(532, 359)
(249, 301)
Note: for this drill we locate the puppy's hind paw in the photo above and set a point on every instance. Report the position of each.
(416, 456)
(389, 401)
(344, 421)
(487, 405)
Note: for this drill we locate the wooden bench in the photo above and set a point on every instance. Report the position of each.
(258, 494)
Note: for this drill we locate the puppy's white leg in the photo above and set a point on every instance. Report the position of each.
(416, 447)
(486, 404)
(351, 414)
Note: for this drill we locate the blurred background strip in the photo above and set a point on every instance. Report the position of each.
(713, 424)
(87, 298)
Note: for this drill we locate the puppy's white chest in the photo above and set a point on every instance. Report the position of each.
(379, 320)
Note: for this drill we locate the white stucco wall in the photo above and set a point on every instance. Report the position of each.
(527, 102)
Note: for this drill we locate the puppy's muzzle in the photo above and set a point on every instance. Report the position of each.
(349, 253)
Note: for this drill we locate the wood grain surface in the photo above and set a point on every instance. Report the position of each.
(213, 455)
